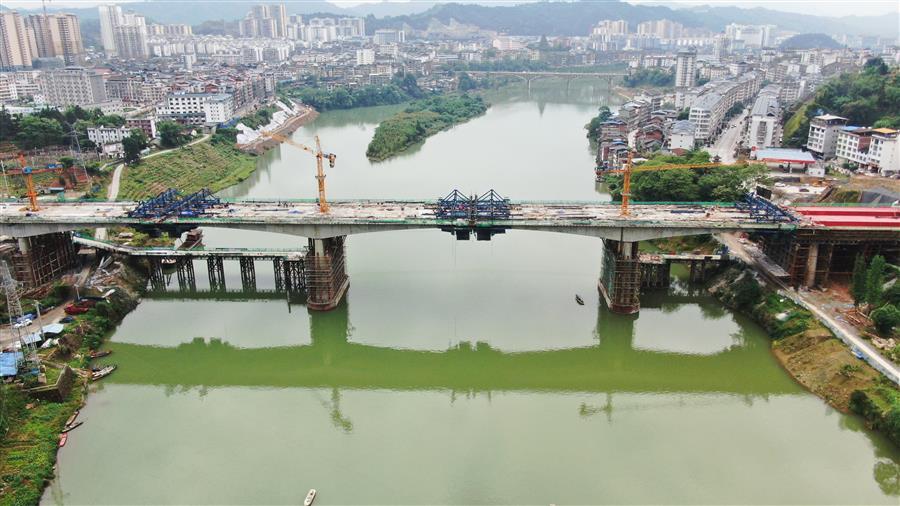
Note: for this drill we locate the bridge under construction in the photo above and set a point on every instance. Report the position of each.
(798, 234)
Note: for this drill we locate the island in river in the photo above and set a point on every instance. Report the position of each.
(421, 119)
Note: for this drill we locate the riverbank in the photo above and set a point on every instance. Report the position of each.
(262, 144)
(215, 164)
(32, 428)
(811, 354)
(421, 120)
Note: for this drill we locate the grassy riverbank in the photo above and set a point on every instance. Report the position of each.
(31, 428)
(812, 355)
(211, 164)
(420, 120)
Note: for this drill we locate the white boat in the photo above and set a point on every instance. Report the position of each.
(310, 497)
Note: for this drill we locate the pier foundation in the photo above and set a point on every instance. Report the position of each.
(620, 278)
(216, 273)
(325, 274)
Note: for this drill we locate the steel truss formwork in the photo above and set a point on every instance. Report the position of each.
(172, 203)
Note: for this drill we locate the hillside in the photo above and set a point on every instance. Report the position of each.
(577, 18)
(810, 41)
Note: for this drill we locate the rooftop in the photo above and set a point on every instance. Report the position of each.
(784, 155)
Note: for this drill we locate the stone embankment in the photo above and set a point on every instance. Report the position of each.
(251, 141)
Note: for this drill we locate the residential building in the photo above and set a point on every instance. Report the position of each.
(853, 145)
(15, 50)
(147, 125)
(197, 108)
(365, 56)
(110, 17)
(388, 36)
(785, 158)
(884, 152)
(823, 134)
(131, 41)
(218, 109)
(685, 69)
(72, 86)
(107, 135)
(681, 135)
(764, 126)
(56, 35)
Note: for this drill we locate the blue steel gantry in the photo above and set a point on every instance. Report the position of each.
(171, 202)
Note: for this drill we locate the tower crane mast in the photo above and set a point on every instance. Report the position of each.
(320, 159)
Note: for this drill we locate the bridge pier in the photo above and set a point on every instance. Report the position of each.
(248, 274)
(157, 278)
(292, 271)
(620, 278)
(216, 273)
(325, 274)
(278, 265)
(184, 267)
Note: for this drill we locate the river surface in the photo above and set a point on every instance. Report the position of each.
(456, 372)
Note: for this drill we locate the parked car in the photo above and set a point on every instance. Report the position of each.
(73, 309)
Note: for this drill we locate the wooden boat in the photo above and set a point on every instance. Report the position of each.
(310, 497)
(102, 373)
(579, 300)
(72, 418)
(100, 353)
(62, 439)
(72, 427)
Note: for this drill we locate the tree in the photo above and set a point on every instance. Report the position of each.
(684, 113)
(596, 122)
(747, 292)
(858, 282)
(466, 82)
(9, 125)
(885, 319)
(37, 132)
(408, 83)
(67, 161)
(875, 281)
(133, 144)
(171, 134)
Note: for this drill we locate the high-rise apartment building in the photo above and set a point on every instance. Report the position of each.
(15, 50)
(72, 86)
(56, 35)
(131, 41)
(110, 17)
(685, 69)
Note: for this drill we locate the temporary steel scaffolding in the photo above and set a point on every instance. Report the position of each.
(43, 258)
(489, 206)
(325, 275)
(764, 210)
(172, 203)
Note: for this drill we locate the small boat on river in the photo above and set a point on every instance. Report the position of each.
(579, 300)
(72, 427)
(72, 418)
(62, 439)
(100, 353)
(102, 373)
(310, 497)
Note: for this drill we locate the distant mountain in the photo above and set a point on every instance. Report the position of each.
(578, 17)
(810, 41)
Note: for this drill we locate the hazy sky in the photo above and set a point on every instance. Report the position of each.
(818, 7)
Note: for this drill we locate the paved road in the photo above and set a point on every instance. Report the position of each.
(725, 144)
(844, 331)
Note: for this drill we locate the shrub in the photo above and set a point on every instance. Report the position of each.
(886, 318)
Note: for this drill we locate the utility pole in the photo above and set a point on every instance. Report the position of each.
(14, 307)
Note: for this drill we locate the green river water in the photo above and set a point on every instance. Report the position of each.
(457, 372)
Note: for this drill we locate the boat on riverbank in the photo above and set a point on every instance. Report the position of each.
(102, 373)
(579, 300)
(310, 497)
(62, 439)
(72, 427)
(72, 418)
(100, 353)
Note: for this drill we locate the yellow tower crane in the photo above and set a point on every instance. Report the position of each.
(630, 168)
(320, 158)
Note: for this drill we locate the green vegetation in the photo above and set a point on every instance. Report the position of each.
(133, 145)
(403, 87)
(810, 41)
(871, 97)
(260, 117)
(880, 405)
(593, 127)
(420, 120)
(51, 127)
(858, 282)
(171, 134)
(213, 165)
(650, 77)
(725, 184)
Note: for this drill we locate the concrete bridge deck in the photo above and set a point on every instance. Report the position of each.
(352, 217)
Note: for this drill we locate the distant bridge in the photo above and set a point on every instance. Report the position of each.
(529, 76)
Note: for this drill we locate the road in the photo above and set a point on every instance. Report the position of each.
(725, 144)
(847, 333)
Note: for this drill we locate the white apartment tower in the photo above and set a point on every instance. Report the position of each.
(110, 17)
(685, 68)
(15, 51)
(56, 35)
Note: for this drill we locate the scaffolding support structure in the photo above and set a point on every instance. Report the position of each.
(325, 275)
(12, 289)
(43, 258)
(620, 277)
